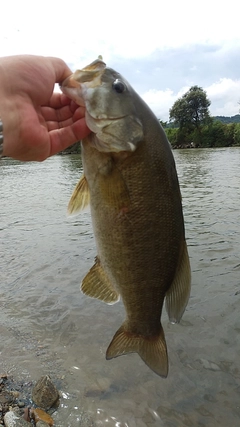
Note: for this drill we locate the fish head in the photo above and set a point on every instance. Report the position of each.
(110, 107)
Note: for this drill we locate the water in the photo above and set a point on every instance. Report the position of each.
(48, 327)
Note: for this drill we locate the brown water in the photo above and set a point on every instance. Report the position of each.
(48, 326)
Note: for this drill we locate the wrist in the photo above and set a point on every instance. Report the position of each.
(1, 137)
(9, 120)
(8, 110)
(3, 129)
(2, 97)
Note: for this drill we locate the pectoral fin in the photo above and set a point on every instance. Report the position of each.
(179, 292)
(97, 285)
(80, 197)
(152, 350)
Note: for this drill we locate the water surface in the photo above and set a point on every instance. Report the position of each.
(48, 326)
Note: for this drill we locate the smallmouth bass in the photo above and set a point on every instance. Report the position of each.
(131, 183)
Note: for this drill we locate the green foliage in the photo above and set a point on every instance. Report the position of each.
(213, 135)
(236, 135)
(164, 124)
(195, 126)
(191, 110)
(229, 130)
(73, 149)
(216, 134)
(179, 114)
(172, 135)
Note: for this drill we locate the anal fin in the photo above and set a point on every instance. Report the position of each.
(178, 294)
(96, 284)
(152, 350)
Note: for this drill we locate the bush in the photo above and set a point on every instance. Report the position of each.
(236, 135)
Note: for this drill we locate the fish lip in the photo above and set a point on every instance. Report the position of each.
(96, 65)
(68, 87)
(96, 124)
(77, 83)
(70, 93)
(69, 82)
(91, 75)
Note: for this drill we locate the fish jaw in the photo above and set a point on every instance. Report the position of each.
(76, 85)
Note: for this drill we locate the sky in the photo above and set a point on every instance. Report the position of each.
(161, 48)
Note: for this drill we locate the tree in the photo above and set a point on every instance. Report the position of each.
(179, 113)
(162, 123)
(236, 136)
(191, 110)
(213, 135)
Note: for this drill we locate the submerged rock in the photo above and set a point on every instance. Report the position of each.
(40, 415)
(6, 398)
(44, 393)
(42, 424)
(12, 419)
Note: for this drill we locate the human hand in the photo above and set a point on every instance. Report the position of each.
(37, 123)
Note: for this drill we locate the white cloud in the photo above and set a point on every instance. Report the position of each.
(79, 31)
(160, 101)
(225, 96)
(83, 30)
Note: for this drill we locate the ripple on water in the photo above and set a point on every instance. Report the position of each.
(49, 327)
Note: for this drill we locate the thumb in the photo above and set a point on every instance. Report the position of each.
(61, 69)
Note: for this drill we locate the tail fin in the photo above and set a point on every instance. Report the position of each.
(152, 350)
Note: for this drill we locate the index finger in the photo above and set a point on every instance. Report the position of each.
(62, 71)
(58, 100)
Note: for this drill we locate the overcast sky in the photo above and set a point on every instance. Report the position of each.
(161, 47)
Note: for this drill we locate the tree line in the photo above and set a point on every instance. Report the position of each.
(191, 124)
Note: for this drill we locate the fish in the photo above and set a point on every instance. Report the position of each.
(131, 183)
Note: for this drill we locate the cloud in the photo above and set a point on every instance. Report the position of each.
(225, 97)
(128, 29)
(160, 101)
(161, 49)
(223, 94)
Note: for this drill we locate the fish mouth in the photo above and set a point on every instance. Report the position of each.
(90, 74)
(96, 65)
(88, 77)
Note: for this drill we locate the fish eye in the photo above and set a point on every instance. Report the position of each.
(118, 86)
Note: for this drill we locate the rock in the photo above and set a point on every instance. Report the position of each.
(14, 393)
(3, 376)
(207, 364)
(44, 393)
(40, 415)
(26, 414)
(11, 419)
(100, 387)
(6, 398)
(20, 403)
(42, 424)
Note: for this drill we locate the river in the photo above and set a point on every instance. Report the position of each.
(47, 326)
